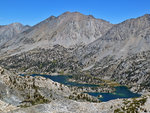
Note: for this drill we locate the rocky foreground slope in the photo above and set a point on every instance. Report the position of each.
(25, 91)
(19, 94)
(139, 105)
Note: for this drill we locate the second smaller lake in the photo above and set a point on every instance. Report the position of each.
(121, 92)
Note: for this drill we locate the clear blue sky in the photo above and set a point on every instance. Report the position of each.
(33, 11)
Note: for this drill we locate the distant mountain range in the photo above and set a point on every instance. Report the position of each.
(7, 32)
(77, 43)
(68, 30)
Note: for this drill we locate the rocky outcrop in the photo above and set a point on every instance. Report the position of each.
(17, 89)
(25, 91)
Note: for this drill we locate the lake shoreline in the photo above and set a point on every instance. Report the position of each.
(93, 89)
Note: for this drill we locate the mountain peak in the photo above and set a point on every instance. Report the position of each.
(67, 12)
(70, 14)
(76, 13)
(147, 15)
(51, 18)
(69, 29)
(16, 24)
(144, 17)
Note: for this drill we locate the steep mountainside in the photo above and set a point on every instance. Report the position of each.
(122, 54)
(68, 30)
(129, 37)
(7, 32)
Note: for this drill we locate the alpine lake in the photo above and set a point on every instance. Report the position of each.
(120, 92)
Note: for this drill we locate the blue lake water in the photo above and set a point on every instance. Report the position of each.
(121, 91)
(63, 79)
